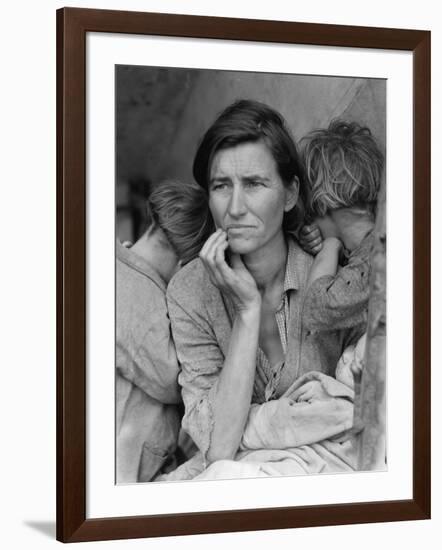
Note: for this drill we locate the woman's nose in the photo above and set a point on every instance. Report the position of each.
(237, 204)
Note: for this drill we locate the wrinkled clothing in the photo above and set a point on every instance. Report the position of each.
(319, 458)
(147, 391)
(145, 351)
(286, 437)
(202, 319)
(350, 365)
(265, 371)
(341, 301)
(287, 423)
(146, 435)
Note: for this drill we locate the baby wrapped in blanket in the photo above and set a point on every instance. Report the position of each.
(292, 435)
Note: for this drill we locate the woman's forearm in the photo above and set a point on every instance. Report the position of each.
(235, 386)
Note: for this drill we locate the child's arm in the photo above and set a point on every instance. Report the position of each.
(338, 299)
(326, 261)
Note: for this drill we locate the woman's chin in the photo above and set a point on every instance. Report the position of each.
(238, 246)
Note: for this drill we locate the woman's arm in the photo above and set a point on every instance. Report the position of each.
(217, 390)
(235, 384)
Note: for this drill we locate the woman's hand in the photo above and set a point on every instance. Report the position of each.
(236, 281)
(310, 391)
(310, 238)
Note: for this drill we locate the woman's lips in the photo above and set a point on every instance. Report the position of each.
(238, 232)
(238, 227)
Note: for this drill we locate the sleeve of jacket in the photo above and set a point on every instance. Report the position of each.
(145, 352)
(338, 302)
(201, 360)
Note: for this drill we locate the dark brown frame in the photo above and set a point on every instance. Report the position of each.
(72, 26)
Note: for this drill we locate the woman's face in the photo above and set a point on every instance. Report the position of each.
(247, 197)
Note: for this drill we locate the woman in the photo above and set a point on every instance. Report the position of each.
(236, 310)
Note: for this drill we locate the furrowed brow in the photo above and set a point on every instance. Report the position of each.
(255, 177)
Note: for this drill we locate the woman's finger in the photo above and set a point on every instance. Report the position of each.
(207, 254)
(237, 263)
(306, 396)
(208, 244)
(217, 263)
(231, 273)
(220, 238)
(301, 390)
(221, 268)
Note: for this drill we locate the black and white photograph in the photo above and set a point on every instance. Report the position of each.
(220, 224)
(250, 274)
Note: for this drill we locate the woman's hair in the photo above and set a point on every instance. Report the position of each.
(250, 121)
(181, 211)
(343, 165)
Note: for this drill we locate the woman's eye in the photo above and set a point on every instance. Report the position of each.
(218, 186)
(253, 183)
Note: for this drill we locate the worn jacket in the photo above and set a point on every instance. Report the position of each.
(147, 391)
(341, 301)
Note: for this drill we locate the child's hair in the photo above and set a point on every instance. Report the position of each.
(343, 165)
(181, 211)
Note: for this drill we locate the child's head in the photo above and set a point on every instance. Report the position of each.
(343, 167)
(180, 210)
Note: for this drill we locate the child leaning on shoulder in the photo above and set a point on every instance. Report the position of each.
(344, 167)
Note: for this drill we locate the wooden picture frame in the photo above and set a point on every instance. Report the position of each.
(72, 26)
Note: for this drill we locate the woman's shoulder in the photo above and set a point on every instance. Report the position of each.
(191, 283)
(192, 295)
(300, 261)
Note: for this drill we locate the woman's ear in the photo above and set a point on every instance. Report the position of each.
(292, 194)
